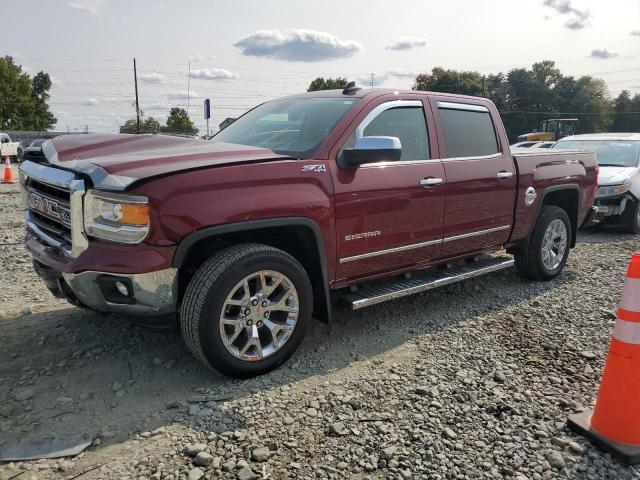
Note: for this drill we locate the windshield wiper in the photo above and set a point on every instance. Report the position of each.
(611, 165)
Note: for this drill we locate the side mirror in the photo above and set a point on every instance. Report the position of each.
(372, 150)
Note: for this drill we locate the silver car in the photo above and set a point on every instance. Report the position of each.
(618, 154)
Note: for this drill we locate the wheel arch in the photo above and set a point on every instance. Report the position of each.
(566, 197)
(299, 236)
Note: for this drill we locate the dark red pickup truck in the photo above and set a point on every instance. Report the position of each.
(347, 196)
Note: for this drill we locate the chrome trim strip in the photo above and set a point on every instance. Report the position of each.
(475, 234)
(381, 108)
(479, 157)
(45, 174)
(423, 244)
(390, 250)
(463, 106)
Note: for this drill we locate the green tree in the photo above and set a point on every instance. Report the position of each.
(179, 122)
(23, 101)
(626, 113)
(525, 97)
(451, 81)
(42, 119)
(329, 83)
(148, 125)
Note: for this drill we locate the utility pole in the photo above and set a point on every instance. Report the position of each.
(484, 87)
(372, 75)
(135, 78)
(188, 87)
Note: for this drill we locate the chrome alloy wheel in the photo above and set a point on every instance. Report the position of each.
(259, 315)
(554, 244)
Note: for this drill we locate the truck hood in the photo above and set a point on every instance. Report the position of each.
(615, 175)
(115, 161)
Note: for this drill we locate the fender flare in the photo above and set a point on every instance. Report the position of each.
(244, 226)
(552, 189)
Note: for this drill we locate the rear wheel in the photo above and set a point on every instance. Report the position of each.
(246, 310)
(547, 250)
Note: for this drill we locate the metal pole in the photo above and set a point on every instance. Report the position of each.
(207, 128)
(135, 78)
(188, 88)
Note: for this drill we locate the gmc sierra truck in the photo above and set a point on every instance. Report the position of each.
(345, 196)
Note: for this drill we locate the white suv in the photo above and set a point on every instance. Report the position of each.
(618, 154)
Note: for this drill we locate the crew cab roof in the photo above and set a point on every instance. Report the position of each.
(377, 92)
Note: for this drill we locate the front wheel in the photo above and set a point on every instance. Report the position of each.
(547, 250)
(246, 310)
(633, 218)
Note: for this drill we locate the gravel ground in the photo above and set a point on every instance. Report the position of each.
(471, 381)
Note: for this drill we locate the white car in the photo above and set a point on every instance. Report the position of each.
(543, 145)
(524, 144)
(618, 154)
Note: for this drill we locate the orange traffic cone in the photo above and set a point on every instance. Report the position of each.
(8, 171)
(614, 424)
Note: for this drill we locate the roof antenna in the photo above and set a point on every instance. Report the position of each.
(350, 88)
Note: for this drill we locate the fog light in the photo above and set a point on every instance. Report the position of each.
(122, 289)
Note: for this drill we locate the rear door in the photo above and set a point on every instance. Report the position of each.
(481, 176)
(389, 214)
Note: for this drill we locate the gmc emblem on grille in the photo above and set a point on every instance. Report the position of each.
(49, 207)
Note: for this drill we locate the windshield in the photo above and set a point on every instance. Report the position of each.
(610, 153)
(36, 143)
(294, 127)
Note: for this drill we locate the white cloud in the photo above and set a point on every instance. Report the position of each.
(407, 43)
(55, 81)
(213, 74)
(154, 78)
(200, 57)
(635, 33)
(297, 45)
(91, 101)
(90, 6)
(381, 78)
(578, 19)
(183, 95)
(602, 54)
(402, 73)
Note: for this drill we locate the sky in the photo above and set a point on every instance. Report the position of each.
(244, 52)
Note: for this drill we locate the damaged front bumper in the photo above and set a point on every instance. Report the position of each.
(610, 209)
(138, 294)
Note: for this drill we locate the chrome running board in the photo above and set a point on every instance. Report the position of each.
(371, 294)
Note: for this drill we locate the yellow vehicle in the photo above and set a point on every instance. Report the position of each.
(552, 130)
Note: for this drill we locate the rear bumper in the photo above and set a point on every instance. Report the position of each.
(147, 294)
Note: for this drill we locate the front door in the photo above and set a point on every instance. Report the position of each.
(389, 214)
(481, 177)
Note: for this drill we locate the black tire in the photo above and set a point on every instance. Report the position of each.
(529, 260)
(632, 218)
(205, 298)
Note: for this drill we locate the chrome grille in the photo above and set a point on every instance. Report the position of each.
(54, 207)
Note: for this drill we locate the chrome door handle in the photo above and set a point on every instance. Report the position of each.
(430, 182)
(503, 175)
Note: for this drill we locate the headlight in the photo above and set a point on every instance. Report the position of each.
(612, 190)
(116, 217)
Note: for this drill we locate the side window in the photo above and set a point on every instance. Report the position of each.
(468, 133)
(406, 123)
